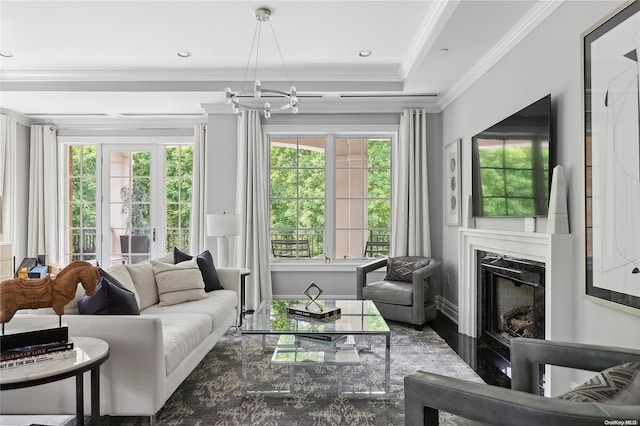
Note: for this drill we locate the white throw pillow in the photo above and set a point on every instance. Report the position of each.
(121, 273)
(145, 282)
(71, 308)
(178, 283)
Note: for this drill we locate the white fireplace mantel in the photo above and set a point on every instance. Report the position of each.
(555, 250)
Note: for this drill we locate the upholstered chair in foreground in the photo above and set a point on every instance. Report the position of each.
(612, 395)
(407, 293)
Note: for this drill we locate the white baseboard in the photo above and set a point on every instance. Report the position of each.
(447, 308)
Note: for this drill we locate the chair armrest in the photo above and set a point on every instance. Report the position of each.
(363, 270)
(426, 393)
(527, 354)
(422, 274)
(230, 280)
(372, 266)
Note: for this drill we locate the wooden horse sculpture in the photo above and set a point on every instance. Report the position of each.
(21, 293)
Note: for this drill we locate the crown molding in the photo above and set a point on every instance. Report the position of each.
(97, 121)
(538, 14)
(433, 24)
(328, 73)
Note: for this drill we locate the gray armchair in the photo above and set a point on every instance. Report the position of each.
(480, 404)
(411, 302)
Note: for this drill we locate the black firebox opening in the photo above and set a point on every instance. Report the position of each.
(511, 300)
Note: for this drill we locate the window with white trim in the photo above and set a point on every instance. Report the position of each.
(330, 196)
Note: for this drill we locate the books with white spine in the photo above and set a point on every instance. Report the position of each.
(30, 360)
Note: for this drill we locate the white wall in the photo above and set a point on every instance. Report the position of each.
(546, 61)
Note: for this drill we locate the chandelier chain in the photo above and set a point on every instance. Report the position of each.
(284, 100)
(286, 72)
(246, 69)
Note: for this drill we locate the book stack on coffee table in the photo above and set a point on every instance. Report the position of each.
(324, 313)
(21, 348)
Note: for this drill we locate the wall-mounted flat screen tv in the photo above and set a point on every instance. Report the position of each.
(511, 162)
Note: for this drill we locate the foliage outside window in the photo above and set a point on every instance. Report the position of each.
(81, 206)
(136, 194)
(310, 218)
(298, 196)
(86, 229)
(178, 179)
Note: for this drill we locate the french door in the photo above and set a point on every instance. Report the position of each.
(131, 190)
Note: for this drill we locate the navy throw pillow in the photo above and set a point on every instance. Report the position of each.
(206, 266)
(111, 298)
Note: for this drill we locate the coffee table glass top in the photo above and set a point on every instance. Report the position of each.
(357, 317)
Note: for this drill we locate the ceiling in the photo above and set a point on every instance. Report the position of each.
(118, 59)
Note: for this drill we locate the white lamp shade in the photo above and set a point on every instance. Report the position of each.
(223, 225)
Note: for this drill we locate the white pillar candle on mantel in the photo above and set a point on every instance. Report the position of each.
(470, 221)
(558, 219)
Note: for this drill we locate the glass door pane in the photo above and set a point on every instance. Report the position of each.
(129, 197)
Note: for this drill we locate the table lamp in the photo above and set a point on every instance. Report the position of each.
(223, 226)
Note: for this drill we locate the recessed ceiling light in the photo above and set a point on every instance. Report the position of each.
(184, 54)
(364, 53)
(6, 55)
(444, 51)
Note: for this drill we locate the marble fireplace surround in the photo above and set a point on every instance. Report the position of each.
(555, 250)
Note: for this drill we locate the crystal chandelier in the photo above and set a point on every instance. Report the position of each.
(282, 100)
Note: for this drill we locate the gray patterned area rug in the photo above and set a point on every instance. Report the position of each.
(212, 395)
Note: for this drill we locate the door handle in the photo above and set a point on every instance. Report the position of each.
(153, 235)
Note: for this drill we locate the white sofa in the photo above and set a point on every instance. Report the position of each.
(150, 354)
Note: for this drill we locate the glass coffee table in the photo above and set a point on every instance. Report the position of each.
(295, 341)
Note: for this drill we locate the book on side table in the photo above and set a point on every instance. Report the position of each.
(36, 359)
(26, 347)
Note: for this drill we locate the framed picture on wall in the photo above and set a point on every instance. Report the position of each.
(612, 160)
(452, 190)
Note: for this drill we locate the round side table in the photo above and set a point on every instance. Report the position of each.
(90, 354)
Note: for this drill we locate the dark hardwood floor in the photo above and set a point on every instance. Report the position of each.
(491, 367)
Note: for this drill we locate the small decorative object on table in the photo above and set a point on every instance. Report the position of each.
(26, 347)
(317, 311)
(307, 292)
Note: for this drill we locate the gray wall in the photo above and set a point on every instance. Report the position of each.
(222, 158)
(546, 61)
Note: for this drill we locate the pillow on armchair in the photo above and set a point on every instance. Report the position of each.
(615, 385)
(402, 270)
